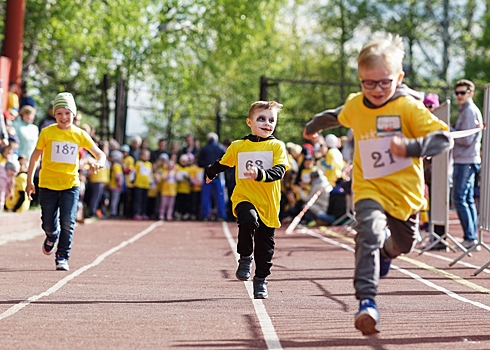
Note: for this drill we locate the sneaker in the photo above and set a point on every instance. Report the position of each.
(468, 243)
(138, 217)
(384, 262)
(384, 265)
(367, 319)
(48, 246)
(244, 268)
(62, 264)
(260, 288)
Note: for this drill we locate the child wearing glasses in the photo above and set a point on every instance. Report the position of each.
(392, 130)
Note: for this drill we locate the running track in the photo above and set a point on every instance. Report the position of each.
(171, 285)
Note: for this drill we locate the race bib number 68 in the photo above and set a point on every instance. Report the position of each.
(261, 160)
(377, 160)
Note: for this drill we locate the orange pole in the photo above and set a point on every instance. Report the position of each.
(14, 34)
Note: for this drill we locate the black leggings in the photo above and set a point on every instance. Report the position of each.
(251, 229)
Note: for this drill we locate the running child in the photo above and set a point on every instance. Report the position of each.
(58, 178)
(392, 131)
(260, 161)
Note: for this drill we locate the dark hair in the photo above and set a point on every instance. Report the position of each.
(466, 83)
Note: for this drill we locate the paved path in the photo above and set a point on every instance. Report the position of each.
(160, 285)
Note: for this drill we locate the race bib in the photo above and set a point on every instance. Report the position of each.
(64, 152)
(261, 160)
(377, 160)
(145, 171)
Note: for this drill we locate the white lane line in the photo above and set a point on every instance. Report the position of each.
(270, 335)
(406, 272)
(14, 309)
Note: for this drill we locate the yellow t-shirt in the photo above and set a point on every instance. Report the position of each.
(396, 183)
(168, 183)
(20, 185)
(143, 171)
(117, 170)
(265, 196)
(60, 160)
(12, 101)
(183, 179)
(196, 174)
(332, 165)
(103, 175)
(128, 163)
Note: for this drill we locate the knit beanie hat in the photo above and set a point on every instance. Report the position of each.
(65, 100)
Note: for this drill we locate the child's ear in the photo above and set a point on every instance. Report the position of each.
(400, 78)
(249, 122)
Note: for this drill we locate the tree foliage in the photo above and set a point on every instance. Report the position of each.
(199, 62)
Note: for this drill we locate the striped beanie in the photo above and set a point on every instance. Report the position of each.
(65, 100)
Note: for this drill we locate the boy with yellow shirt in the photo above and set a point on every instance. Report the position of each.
(260, 161)
(143, 173)
(58, 178)
(392, 131)
(18, 201)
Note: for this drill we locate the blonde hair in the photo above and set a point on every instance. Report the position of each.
(260, 105)
(388, 51)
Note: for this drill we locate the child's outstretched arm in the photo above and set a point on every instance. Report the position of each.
(273, 174)
(214, 169)
(434, 143)
(323, 120)
(100, 156)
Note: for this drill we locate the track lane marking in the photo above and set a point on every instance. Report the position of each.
(16, 308)
(270, 335)
(453, 277)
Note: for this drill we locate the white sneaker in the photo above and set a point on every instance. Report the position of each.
(62, 264)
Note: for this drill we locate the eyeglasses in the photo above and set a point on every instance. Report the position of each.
(429, 106)
(462, 93)
(371, 84)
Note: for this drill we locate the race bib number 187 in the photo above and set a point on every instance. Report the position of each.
(64, 152)
(261, 160)
(377, 160)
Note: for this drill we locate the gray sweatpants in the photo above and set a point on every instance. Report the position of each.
(371, 228)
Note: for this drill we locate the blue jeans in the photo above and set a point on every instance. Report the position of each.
(58, 214)
(463, 198)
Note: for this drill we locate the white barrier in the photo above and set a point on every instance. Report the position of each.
(484, 218)
(439, 193)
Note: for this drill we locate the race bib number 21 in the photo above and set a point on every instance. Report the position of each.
(377, 160)
(64, 152)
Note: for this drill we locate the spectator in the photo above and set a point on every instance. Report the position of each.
(49, 118)
(431, 101)
(26, 130)
(162, 148)
(25, 99)
(18, 201)
(143, 174)
(210, 153)
(318, 210)
(467, 159)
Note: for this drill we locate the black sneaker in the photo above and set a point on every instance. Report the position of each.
(260, 288)
(48, 246)
(244, 268)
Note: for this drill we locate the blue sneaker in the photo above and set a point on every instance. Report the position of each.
(260, 288)
(367, 319)
(384, 265)
(384, 262)
(244, 268)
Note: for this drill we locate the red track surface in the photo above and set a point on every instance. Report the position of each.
(174, 288)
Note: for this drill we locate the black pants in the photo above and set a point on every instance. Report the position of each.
(252, 230)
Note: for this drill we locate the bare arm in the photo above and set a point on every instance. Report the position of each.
(33, 163)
